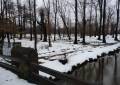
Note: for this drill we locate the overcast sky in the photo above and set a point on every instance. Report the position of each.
(110, 3)
(40, 2)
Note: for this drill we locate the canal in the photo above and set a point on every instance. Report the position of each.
(103, 71)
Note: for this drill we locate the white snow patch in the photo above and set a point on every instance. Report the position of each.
(9, 78)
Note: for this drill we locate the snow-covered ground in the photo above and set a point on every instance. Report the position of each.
(77, 54)
(9, 78)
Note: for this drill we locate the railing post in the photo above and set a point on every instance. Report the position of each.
(28, 56)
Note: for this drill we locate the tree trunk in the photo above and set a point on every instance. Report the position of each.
(96, 22)
(84, 21)
(76, 22)
(90, 25)
(34, 25)
(116, 30)
(56, 4)
(31, 30)
(104, 22)
(100, 25)
(49, 26)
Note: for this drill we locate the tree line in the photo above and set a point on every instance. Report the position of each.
(62, 18)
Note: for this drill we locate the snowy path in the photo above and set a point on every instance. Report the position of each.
(9, 78)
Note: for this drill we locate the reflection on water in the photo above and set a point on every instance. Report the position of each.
(105, 71)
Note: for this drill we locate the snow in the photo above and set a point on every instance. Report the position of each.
(77, 54)
(8, 51)
(9, 78)
(79, 58)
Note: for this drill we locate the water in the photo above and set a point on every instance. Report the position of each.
(104, 71)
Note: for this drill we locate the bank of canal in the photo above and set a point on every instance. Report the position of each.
(103, 71)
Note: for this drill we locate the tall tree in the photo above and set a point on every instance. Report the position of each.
(96, 19)
(24, 20)
(116, 30)
(19, 18)
(6, 17)
(104, 22)
(55, 8)
(48, 24)
(1, 8)
(62, 13)
(84, 20)
(43, 26)
(76, 21)
(90, 20)
(34, 26)
(30, 13)
(100, 2)
(109, 19)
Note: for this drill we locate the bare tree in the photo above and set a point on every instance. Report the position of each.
(104, 21)
(62, 13)
(34, 26)
(76, 21)
(96, 19)
(116, 30)
(30, 20)
(48, 7)
(24, 19)
(84, 21)
(55, 8)
(43, 26)
(90, 19)
(6, 17)
(100, 2)
(109, 19)
(19, 7)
